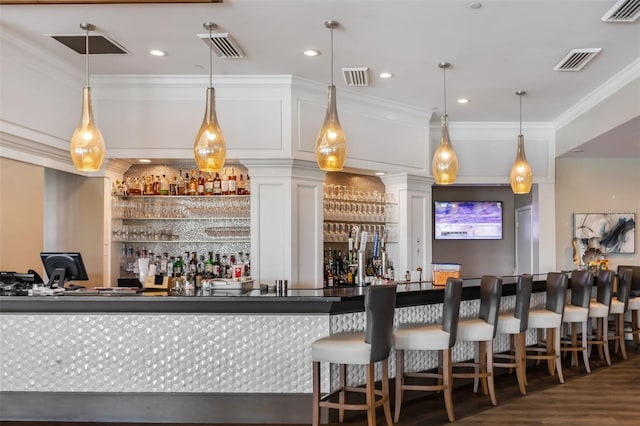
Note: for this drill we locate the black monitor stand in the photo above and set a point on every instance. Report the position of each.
(57, 278)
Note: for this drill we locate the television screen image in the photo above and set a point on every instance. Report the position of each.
(467, 220)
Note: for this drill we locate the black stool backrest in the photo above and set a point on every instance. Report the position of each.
(490, 292)
(605, 287)
(581, 286)
(451, 309)
(523, 300)
(635, 277)
(624, 286)
(379, 306)
(556, 292)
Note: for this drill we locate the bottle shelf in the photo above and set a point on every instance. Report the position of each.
(208, 218)
(212, 240)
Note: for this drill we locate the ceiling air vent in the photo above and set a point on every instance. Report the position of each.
(576, 59)
(623, 11)
(98, 44)
(223, 45)
(357, 77)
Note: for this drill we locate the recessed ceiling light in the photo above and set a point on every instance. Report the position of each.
(380, 173)
(157, 52)
(475, 5)
(578, 150)
(463, 101)
(144, 160)
(311, 52)
(385, 75)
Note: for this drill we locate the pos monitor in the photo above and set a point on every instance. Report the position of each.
(61, 267)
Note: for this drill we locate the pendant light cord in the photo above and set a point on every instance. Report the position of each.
(444, 79)
(210, 61)
(86, 56)
(520, 96)
(332, 55)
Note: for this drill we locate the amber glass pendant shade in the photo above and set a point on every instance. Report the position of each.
(444, 166)
(521, 177)
(87, 147)
(331, 144)
(209, 148)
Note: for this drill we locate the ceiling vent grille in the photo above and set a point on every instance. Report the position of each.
(576, 59)
(223, 45)
(98, 44)
(356, 77)
(623, 11)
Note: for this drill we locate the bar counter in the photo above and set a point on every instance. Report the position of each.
(218, 357)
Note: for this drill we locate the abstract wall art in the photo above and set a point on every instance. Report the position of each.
(609, 232)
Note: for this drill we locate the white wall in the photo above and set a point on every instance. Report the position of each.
(595, 186)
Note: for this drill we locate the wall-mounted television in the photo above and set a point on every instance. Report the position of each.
(467, 220)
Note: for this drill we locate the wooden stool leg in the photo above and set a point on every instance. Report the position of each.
(605, 340)
(521, 364)
(489, 371)
(342, 393)
(316, 394)
(371, 396)
(399, 383)
(385, 392)
(551, 348)
(585, 355)
(634, 328)
(600, 337)
(620, 333)
(556, 339)
(481, 368)
(448, 383)
(574, 343)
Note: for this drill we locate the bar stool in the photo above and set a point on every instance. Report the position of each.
(549, 318)
(482, 330)
(430, 337)
(634, 303)
(578, 313)
(599, 310)
(619, 306)
(515, 324)
(364, 348)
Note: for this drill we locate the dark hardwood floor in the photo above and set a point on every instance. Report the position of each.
(607, 396)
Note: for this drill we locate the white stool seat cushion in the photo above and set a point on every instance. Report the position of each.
(617, 307)
(543, 318)
(474, 330)
(342, 348)
(598, 310)
(575, 313)
(508, 324)
(634, 304)
(426, 337)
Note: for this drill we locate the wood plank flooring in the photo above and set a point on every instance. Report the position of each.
(607, 396)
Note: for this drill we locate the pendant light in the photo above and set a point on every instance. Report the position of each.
(209, 147)
(331, 144)
(444, 166)
(521, 177)
(87, 145)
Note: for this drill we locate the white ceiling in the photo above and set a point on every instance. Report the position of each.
(496, 49)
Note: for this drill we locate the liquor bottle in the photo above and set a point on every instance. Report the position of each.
(224, 264)
(217, 185)
(224, 183)
(170, 263)
(173, 186)
(233, 183)
(180, 184)
(193, 184)
(186, 183)
(148, 186)
(163, 264)
(164, 185)
(240, 185)
(247, 186)
(178, 267)
(200, 265)
(217, 266)
(208, 185)
(208, 266)
(200, 187)
(193, 263)
(247, 265)
(156, 186)
(238, 268)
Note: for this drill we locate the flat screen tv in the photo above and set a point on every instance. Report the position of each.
(467, 220)
(62, 267)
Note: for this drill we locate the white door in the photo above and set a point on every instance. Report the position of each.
(524, 241)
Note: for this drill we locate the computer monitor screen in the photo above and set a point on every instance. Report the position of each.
(61, 267)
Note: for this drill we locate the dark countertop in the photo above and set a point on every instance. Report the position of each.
(296, 301)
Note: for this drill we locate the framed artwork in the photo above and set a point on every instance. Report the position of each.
(609, 232)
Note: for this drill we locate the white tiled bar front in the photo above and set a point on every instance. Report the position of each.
(207, 359)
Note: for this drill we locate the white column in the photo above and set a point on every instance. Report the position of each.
(413, 216)
(286, 221)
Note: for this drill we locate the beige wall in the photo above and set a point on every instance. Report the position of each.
(21, 215)
(595, 186)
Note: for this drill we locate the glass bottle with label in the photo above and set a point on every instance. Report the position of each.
(208, 185)
(180, 184)
(224, 183)
(241, 186)
(217, 185)
(200, 187)
(193, 184)
(233, 184)
(164, 185)
(208, 266)
(178, 267)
